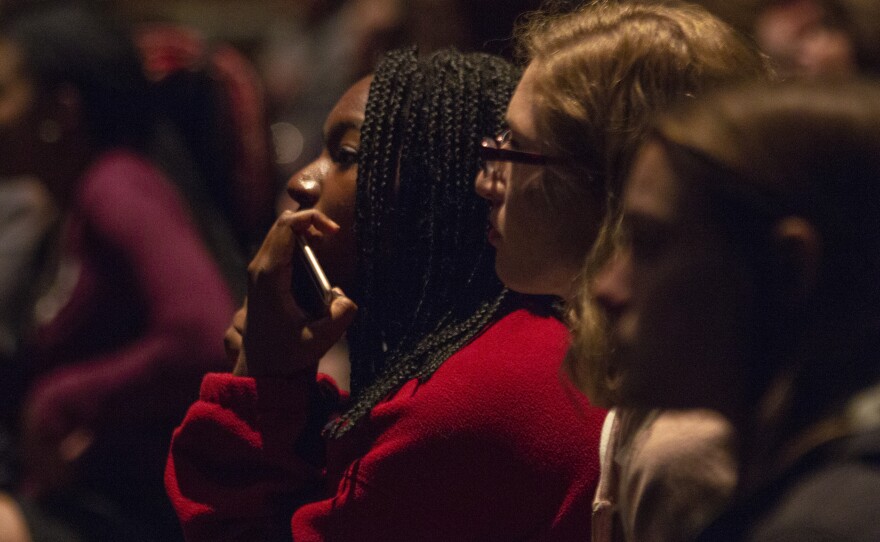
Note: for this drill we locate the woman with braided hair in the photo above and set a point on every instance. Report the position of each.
(458, 426)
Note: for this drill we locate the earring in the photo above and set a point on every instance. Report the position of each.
(50, 131)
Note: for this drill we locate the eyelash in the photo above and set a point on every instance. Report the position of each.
(346, 156)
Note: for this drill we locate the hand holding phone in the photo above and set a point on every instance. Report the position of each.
(278, 336)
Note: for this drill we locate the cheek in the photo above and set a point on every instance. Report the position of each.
(528, 233)
(528, 218)
(538, 253)
(340, 257)
(338, 252)
(690, 334)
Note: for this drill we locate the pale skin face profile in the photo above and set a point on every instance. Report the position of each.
(675, 297)
(529, 257)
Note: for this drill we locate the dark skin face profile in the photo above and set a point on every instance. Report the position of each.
(282, 337)
(329, 183)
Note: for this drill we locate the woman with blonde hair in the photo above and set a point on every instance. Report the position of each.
(594, 80)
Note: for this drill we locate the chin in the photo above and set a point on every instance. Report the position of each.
(524, 282)
(525, 287)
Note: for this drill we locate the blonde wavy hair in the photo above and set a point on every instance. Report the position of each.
(602, 72)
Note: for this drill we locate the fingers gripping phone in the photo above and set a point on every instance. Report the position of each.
(310, 287)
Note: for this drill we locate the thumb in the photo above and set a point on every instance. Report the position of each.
(330, 329)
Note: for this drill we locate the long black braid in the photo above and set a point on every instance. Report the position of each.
(426, 277)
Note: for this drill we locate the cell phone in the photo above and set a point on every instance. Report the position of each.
(310, 287)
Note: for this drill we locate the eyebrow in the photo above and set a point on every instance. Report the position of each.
(517, 139)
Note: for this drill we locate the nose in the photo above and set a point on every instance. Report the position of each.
(489, 184)
(305, 187)
(611, 285)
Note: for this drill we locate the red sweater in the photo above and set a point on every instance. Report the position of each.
(494, 446)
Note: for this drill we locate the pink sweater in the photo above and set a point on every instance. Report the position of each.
(122, 353)
(494, 446)
(148, 306)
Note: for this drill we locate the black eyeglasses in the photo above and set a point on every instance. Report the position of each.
(491, 152)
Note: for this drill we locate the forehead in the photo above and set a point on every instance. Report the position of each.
(653, 189)
(521, 111)
(351, 106)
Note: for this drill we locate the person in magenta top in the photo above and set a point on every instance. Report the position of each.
(458, 425)
(136, 305)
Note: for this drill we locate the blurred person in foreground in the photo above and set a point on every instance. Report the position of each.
(746, 282)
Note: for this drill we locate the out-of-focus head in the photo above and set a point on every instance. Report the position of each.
(819, 38)
(83, 77)
(424, 276)
(805, 38)
(752, 251)
(20, 118)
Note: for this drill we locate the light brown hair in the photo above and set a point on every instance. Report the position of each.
(602, 73)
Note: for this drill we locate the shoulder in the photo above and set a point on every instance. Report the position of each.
(520, 341)
(496, 422)
(509, 384)
(515, 362)
(839, 502)
(123, 190)
(677, 471)
(831, 494)
(681, 444)
(116, 162)
(506, 384)
(119, 175)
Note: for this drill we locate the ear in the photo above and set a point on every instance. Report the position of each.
(799, 248)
